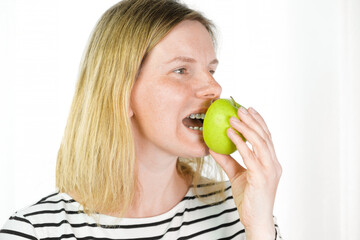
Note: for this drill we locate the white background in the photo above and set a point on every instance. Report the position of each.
(296, 62)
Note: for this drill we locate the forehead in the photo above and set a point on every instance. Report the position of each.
(188, 38)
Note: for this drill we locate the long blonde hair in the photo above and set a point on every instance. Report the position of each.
(96, 157)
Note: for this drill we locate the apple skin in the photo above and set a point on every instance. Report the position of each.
(216, 123)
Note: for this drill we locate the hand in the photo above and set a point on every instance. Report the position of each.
(254, 187)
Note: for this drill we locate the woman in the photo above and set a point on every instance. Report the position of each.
(129, 166)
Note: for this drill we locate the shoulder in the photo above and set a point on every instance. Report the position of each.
(48, 206)
(27, 222)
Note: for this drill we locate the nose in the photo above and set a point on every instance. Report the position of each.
(209, 89)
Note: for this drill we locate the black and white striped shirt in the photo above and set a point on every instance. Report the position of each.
(58, 216)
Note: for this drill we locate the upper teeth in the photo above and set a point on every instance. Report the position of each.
(197, 116)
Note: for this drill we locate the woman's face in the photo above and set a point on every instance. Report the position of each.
(176, 80)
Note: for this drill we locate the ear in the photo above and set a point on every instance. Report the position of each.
(130, 112)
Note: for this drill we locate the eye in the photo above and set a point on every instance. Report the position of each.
(212, 72)
(180, 71)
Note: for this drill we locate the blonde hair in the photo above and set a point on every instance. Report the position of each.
(96, 156)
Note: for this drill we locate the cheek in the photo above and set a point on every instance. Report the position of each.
(166, 94)
(150, 103)
(159, 102)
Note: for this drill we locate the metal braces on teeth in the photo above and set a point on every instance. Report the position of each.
(196, 128)
(197, 116)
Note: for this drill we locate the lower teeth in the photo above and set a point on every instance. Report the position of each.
(196, 128)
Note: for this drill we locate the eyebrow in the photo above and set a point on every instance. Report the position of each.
(189, 60)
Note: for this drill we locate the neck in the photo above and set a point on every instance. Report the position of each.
(160, 187)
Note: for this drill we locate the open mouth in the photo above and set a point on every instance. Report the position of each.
(194, 121)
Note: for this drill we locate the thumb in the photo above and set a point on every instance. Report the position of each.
(231, 167)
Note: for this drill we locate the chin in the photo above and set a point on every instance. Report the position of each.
(199, 152)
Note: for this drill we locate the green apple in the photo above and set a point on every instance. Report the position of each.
(216, 123)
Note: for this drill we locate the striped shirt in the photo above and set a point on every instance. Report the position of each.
(58, 216)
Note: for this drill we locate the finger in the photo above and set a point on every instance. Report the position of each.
(255, 121)
(251, 121)
(260, 147)
(228, 164)
(246, 153)
(261, 121)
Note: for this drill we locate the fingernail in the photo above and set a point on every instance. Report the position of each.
(243, 110)
(252, 110)
(231, 132)
(234, 120)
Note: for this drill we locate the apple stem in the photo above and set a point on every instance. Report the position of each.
(233, 100)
